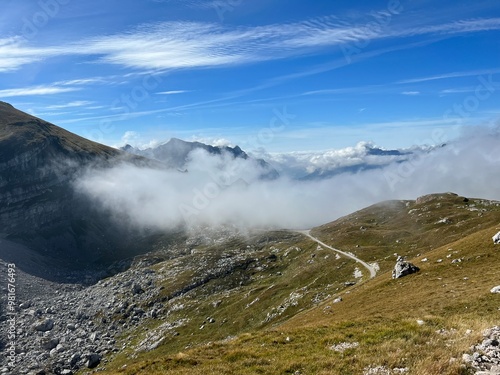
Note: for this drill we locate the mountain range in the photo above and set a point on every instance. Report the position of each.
(96, 293)
(300, 166)
(175, 154)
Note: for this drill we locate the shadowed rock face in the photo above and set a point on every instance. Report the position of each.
(38, 206)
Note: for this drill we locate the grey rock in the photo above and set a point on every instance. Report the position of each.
(137, 289)
(25, 305)
(496, 238)
(495, 289)
(83, 319)
(44, 326)
(50, 310)
(490, 342)
(49, 343)
(35, 312)
(403, 268)
(156, 344)
(485, 357)
(93, 360)
(75, 358)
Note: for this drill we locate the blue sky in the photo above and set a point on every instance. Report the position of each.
(278, 75)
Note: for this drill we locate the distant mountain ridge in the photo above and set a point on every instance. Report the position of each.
(175, 154)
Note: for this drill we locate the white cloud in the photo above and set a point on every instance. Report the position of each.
(300, 164)
(174, 45)
(74, 104)
(213, 193)
(471, 73)
(46, 114)
(220, 142)
(347, 90)
(172, 92)
(192, 44)
(14, 53)
(153, 143)
(81, 81)
(212, 4)
(411, 93)
(456, 27)
(136, 140)
(129, 137)
(36, 90)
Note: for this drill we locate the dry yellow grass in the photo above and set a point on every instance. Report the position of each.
(422, 323)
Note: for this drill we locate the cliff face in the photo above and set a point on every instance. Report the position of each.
(38, 206)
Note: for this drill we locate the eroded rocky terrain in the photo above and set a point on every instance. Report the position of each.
(64, 327)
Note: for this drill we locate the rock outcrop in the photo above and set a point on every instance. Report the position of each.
(485, 357)
(495, 290)
(403, 268)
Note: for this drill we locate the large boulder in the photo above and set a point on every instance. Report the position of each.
(496, 238)
(93, 360)
(49, 343)
(495, 290)
(403, 268)
(44, 325)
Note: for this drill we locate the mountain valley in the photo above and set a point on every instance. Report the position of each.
(95, 295)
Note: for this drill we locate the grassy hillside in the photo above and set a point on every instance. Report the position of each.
(274, 310)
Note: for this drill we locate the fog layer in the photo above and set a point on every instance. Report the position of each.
(219, 190)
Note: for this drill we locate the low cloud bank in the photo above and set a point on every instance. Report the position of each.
(220, 190)
(302, 164)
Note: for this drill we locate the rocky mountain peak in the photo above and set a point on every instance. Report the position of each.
(175, 154)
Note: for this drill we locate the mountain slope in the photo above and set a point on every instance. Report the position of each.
(38, 205)
(19, 130)
(421, 324)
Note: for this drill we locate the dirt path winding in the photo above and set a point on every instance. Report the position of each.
(371, 269)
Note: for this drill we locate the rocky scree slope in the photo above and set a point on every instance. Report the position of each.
(219, 288)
